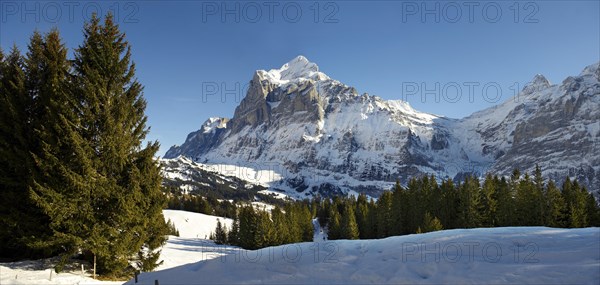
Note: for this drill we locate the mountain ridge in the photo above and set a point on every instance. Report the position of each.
(323, 137)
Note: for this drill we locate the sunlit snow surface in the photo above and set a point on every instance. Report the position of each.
(526, 255)
(516, 255)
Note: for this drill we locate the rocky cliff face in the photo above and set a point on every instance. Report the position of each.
(317, 135)
(557, 127)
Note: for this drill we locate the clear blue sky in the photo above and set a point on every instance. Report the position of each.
(376, 46)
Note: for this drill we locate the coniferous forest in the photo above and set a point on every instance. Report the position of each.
(424, 205)
(76, 179)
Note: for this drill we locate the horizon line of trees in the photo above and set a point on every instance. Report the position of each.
(254, 228)
(201, 204)
(75, 179)
(424, 205)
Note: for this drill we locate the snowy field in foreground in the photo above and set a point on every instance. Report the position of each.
(516, 255)
(501, 255)
(23, 273)
(192, 245)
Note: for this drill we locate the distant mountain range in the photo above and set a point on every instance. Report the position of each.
(300, 132)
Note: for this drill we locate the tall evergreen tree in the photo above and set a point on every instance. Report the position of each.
(449, 206)
(539, 196)
(575, 212)
(529, 201)
(349, 228)
(248, 234)
(124, 202)
(488, 201)
(593, 211)
(505, 212)
(413, 210)
(362, 217)
(384, 215)
(264, 230)
(294, 221)
(62, 171)
(430, 224)
(469, 215)
(578, 209)
(398, 210)
(21, 221)
(305, 223)
(220, 233)
(334, 225)
(233, 234)
(555, 207)
(372, 219)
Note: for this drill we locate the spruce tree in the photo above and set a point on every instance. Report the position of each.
(413, 210)
(334, 224)
(372, 220)
(233, 235)
(529, 201)
(539, 196)
(248, 235)
(264, 230)
(281, 233)
(469, 215)
(173, 231)
(449, 206)
(554, 206)
(362, 216)
(348, 227)
(430, 224)
(593, 211)
(125, 202)
(435, 205)
(397, 210)
(62, 170)
(505, 212)
(568, 195)
(384, 215)
(578, 209)
(22, 222)
(488, 202)
(292, 217)
(305, 223)
(323, 212)
(220, 233)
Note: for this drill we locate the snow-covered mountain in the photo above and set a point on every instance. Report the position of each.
(313, 134)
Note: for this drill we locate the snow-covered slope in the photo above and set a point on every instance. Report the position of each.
(191, 246)
(524, 255)
(226, 182)
(314, 134)
(194, 225)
